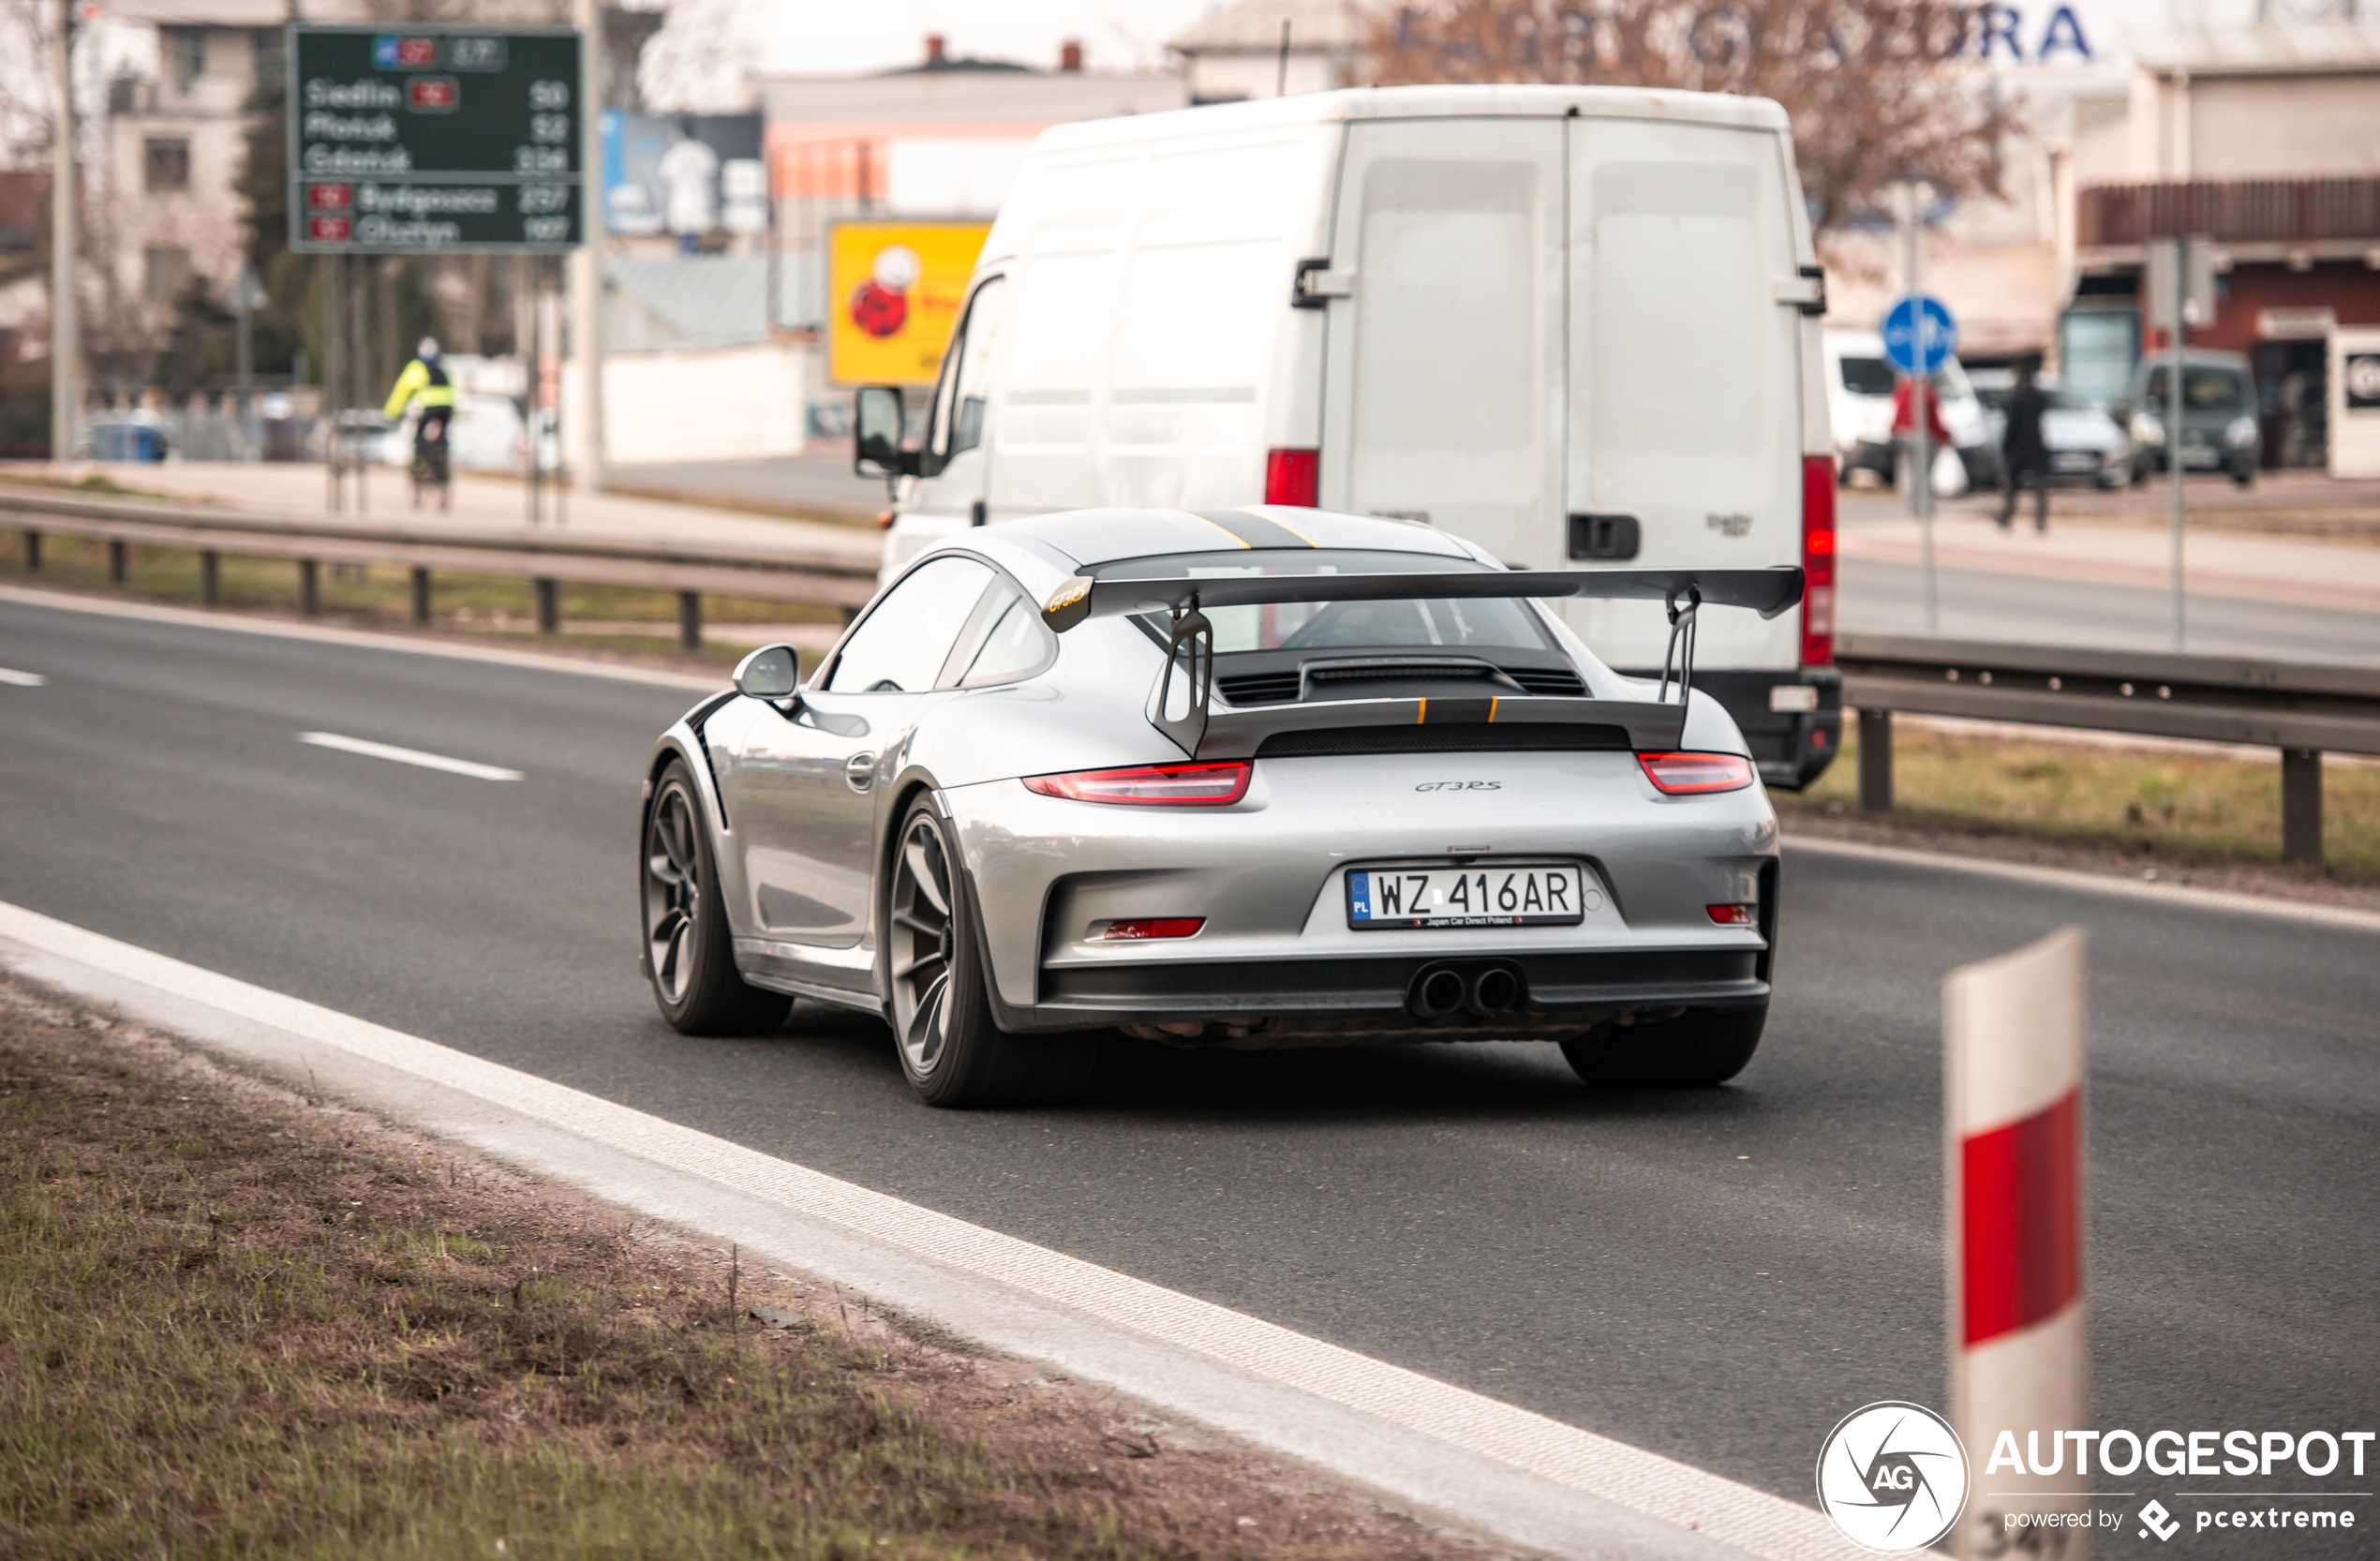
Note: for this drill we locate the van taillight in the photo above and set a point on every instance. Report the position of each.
(1293, 477)
(1817, 561)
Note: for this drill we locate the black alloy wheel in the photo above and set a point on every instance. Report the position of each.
(688, 956)
(952, 1050)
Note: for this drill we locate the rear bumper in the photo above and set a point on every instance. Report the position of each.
(1268, 876)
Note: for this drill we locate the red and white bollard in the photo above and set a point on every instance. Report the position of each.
(2012, 1098)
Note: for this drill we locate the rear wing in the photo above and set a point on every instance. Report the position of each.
(1190, 646)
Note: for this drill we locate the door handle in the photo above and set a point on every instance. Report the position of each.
(859, 771)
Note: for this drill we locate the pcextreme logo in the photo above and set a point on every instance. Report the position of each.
(1893, 1477)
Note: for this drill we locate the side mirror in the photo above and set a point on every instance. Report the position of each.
(876, 423)
(772, 672)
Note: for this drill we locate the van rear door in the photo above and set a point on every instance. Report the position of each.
(1442, 398)
(1684, 359)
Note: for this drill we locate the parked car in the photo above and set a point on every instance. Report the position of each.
(2083, 440)
(1570, 324)
(2219, 430)
(1860, 381)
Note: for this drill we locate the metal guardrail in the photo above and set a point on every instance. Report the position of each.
(691, 569)
(2303, 708)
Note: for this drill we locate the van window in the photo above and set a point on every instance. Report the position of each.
(1443, 623)
(961, 398)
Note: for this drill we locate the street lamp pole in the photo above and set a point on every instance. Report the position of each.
(587, 262)
(66, 326)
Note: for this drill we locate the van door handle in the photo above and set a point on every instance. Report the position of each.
(859, 771)
(1806, 292)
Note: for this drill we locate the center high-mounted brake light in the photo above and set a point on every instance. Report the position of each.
(1293, 477)
(1688, 774)
(1190, 785)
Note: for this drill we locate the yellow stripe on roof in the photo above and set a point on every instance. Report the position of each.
(1242, 543)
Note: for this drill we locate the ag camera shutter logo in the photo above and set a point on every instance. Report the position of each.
(1893, 1477)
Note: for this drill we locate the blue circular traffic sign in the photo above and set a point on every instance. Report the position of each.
(1918, 330)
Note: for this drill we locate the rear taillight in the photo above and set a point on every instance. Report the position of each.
(1685, 774)
(1293, 477)
(1155, 927)
(1209, 785)
(1817, 561)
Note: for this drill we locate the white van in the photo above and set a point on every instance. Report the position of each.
(1569, 324)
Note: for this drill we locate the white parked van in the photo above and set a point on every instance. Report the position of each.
(1570, 324)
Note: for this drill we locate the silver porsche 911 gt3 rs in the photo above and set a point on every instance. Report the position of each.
(1246, 778)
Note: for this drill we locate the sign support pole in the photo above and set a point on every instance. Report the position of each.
(1921, 462)
(587, 262)
(2173, 431)
(65, 322)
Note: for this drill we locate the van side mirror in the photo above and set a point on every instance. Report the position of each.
(876, 427)
(772, 672)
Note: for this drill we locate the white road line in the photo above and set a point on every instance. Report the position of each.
(1697, 1505)
(409, 756)
(2092, 882)
(22, 680)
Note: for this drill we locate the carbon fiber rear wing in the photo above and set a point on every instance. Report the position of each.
(1655, 724)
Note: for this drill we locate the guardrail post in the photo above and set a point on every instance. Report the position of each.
(549, 606)
(31, 552)
(422, 615)
(309, 587)
(118, 563)
(2301, 805)
(690, 620)
(210, 579)
(1876, 761)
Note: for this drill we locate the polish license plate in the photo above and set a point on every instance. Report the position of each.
(1487, 894)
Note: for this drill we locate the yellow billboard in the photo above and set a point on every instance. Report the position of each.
(893, 294)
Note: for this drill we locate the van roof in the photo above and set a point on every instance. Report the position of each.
(1426, 102)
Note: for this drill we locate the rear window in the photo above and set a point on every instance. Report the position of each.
(1476, 623)
(1867, 377)
(2203, 390)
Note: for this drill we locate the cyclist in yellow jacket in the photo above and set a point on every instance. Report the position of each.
(424, 383)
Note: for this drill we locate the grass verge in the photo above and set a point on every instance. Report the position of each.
(236, 1323)
(379, 596)
(2180, 804)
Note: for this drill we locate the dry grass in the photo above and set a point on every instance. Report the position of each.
(238, 1324)
(2183, 805)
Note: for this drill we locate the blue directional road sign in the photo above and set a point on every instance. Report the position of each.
(1918, 329)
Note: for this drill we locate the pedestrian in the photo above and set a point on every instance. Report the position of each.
(2024, 453)
(1905, 419)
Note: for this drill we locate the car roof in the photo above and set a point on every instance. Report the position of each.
(1090, 537)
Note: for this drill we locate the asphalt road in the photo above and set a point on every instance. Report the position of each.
(1881, 597)
(1719, 1277)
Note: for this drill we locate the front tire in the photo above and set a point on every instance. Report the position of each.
(1696, 1051)
(952, 1051)
(689, 955)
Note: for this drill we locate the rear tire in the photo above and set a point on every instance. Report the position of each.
(689, 954)
(952, 1051)
(1696, 1051)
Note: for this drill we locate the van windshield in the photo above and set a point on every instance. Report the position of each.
(1491, 622)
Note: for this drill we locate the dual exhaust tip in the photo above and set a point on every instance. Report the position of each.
(1483, 992)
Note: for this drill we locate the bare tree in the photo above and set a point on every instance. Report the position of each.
(1865, 83)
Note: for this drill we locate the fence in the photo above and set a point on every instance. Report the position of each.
(691, 570)
(2303, 708)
